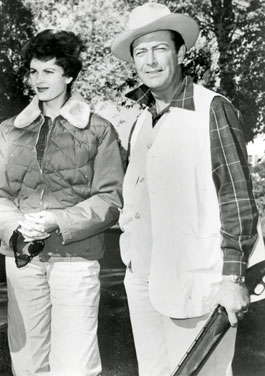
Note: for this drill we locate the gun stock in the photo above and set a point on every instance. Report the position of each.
(215, 328)
(254, 278)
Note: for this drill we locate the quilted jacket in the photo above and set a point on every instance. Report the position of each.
(79, 180)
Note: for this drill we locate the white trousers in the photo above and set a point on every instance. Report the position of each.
(53, 318)
(161, 342)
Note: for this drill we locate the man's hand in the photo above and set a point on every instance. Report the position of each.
(37, 226)
(234, 298)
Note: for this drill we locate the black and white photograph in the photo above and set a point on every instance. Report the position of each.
(132, 188)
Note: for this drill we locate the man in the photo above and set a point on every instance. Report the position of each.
(187, 182)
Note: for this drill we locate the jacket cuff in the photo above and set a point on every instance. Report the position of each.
(9, 231)
(63, 228)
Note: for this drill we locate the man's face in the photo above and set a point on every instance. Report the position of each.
(156, 60)
(48, 80)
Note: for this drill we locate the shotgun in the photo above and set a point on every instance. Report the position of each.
(216, 327)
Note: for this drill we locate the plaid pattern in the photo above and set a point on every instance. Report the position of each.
(42, 140)
(231, 176)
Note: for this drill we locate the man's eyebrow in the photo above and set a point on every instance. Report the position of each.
(139, 48)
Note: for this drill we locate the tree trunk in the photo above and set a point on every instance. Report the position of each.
(223, 17)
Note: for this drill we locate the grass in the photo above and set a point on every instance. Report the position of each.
(250, 346)
(117, 348)
(115, 336)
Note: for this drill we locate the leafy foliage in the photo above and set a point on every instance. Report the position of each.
(258, 179)
(228, 57)
(249, 67)
(15, 28)
(233, 34)
(97, 22)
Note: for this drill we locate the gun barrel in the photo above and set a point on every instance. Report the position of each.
(204, 344)
(215, 328)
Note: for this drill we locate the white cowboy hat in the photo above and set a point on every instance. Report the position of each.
(152, 17)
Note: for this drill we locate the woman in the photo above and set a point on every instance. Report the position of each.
(60, 188)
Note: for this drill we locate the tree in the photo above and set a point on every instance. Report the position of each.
(249, 62)
(15, 28)
(233, 34)
(240, 29)
(228, 57)
(96, 21)
(230, 53)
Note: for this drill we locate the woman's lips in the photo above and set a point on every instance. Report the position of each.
(42, 89)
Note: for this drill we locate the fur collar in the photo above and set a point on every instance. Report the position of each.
(76, 111)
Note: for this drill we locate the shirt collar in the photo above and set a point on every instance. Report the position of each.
(183, 97)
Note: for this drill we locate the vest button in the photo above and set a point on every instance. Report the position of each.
(149, 145)
(137, 215)
(141, 180)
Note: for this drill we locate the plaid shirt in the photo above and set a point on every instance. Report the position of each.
(42, 139)
(230, 172)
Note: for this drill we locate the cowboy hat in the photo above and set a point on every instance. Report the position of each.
(152, 17)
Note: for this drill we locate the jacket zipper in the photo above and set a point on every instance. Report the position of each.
(37, 139)
(43, 157)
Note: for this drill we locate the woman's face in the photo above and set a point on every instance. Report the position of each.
(48, 80)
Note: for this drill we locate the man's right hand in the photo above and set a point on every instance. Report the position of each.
(234, 298)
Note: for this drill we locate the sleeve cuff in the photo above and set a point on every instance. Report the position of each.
(234, 263)
(63, 229)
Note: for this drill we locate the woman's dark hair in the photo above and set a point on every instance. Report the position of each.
(63, 45)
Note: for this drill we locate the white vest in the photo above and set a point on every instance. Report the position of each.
(186, 258)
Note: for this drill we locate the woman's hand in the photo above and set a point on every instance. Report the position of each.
(37, 226)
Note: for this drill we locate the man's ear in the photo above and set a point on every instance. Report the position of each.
(181, 54)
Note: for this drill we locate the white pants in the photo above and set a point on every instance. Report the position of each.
(52, 318)
(162, 342)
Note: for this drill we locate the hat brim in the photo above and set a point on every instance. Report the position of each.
(182, 24)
